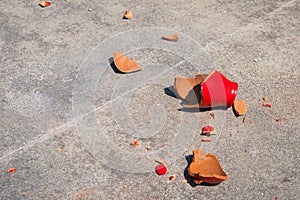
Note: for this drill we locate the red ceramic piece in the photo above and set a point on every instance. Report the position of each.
(207, 129)
(161, 169)
(267, 105)
(11, 170)
(217, 90)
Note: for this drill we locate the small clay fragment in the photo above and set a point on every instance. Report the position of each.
(60, 148)
(267, 105)
(244, 120)
(206, 168)
(128, 14)
(124, 64)
(206, 91)
(11, 170)
(172, 38)
(134, 143)
(161, 169)
(240, 107)
(208, 130)
(277, 120)
(265, 99)
(206, 139)
(172, 177)
(44, 3)
(148, 148)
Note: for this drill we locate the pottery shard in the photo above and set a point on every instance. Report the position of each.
(124, 64)
(172, 38)
(240, 107)
(206, 168)
(128, 14)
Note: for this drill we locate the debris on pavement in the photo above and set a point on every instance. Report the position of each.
(124, 64)
(12, 170)
(206, 168)
(265, 99)
(267, 105)
(60, 148)
(208, 130)
(128, 14)
(44, 3)
(148, 148)
(212, 115)
(173, 38)
(206, 90)
(172, 177)
(206, 139)
(135, 143)
(244, 120)
(161, 169)
(240, 107)
(277, 120)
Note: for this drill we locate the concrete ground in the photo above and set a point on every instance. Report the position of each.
(67, 119)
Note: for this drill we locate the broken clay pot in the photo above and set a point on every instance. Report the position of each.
(124, 64)
(206, 168)
(206, 91)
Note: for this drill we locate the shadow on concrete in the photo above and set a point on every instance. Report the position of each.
(201, 109)
(170, 91)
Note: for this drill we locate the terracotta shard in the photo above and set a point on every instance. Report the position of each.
(267, 105)
(44, 3)
(206, 139)
(206, 168)
(187, 87)
(128, 14)
(12, 170)
(172, 177)
(135, 143)
(240, 107)
(172, 38)
(206, 91)
(125, 64)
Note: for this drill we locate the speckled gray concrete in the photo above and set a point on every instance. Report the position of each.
(253, 42)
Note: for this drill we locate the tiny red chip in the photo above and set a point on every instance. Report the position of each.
(11, 170)
(267, 105)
